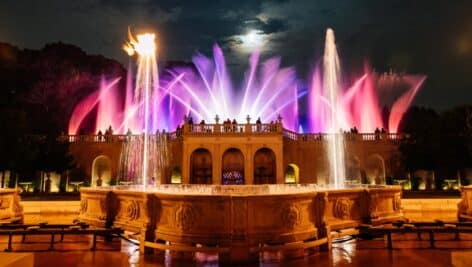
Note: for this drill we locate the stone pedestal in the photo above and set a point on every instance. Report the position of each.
(10, 209)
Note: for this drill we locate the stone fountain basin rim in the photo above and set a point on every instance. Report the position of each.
(238, 190)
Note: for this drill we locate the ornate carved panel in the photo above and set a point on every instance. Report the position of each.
(342, 208)
(132, 209)
(185, 216)
(4, 203)
(83, 206)
(290, 216)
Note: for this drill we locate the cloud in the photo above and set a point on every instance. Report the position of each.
(431, 34)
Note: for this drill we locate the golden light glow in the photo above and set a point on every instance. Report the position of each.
(143, 45)
(129, 49)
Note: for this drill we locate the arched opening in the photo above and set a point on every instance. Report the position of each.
(201, 171)
(176, 176)
(233, 167)
(292, 174)
(375, 170)
(101, 171)
(264, 167)
(353, 170)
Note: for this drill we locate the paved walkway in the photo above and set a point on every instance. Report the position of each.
(74, 251)
(407, 252)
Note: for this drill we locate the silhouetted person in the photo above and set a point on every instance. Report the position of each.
(258, 124)
(377, 133)
(190, 123)
(202, 125)
(235, 127)
(177, 130)
(128, 134)
(47, 184)
(100, 135)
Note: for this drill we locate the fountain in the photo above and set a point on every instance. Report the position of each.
(235, 221)
(204, 90)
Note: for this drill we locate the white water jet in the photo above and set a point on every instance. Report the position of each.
(331, 72)
(147, 82)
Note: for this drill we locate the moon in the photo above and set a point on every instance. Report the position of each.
(252, 39)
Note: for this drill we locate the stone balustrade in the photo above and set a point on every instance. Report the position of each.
(348, 137)
(237, 129)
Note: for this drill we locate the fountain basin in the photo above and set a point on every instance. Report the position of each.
(227, 218)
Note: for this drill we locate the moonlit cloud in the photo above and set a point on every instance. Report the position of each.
(252, 40)
(389, 34)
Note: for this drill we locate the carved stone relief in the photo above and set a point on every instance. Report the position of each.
(83, 206)
(290, 216)
(342, 208)
(132, 210)
(185, 216)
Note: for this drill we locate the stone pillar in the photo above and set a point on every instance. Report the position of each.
(216, 157)
(279, 164)
(185, 165)
(249, 164)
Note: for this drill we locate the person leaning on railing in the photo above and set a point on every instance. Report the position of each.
(258, 124)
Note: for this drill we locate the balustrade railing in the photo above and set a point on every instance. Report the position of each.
(349, 137)
(228, 129)
(112, 138)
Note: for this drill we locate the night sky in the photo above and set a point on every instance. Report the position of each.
(426, 37)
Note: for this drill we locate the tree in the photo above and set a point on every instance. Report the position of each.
(18, 151)
(442, 143)
(420, 149)
(456, 140)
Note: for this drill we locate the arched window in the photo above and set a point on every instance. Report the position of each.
(353, 170)
(233, 167)
(292, 173)
(201, 171)
(176, 176)
(264, 167)
(101, 171)
(375, 169)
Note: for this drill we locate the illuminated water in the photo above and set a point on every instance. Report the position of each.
(331, 86)
(205, 90)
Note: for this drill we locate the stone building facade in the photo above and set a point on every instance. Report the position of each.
(244, 154)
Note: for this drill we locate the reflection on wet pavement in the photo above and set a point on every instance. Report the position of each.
(408, 252)
(74, 251)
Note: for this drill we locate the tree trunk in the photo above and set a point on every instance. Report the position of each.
(3, 179)
(41, 182)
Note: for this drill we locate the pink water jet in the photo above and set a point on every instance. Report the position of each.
(268, 90)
